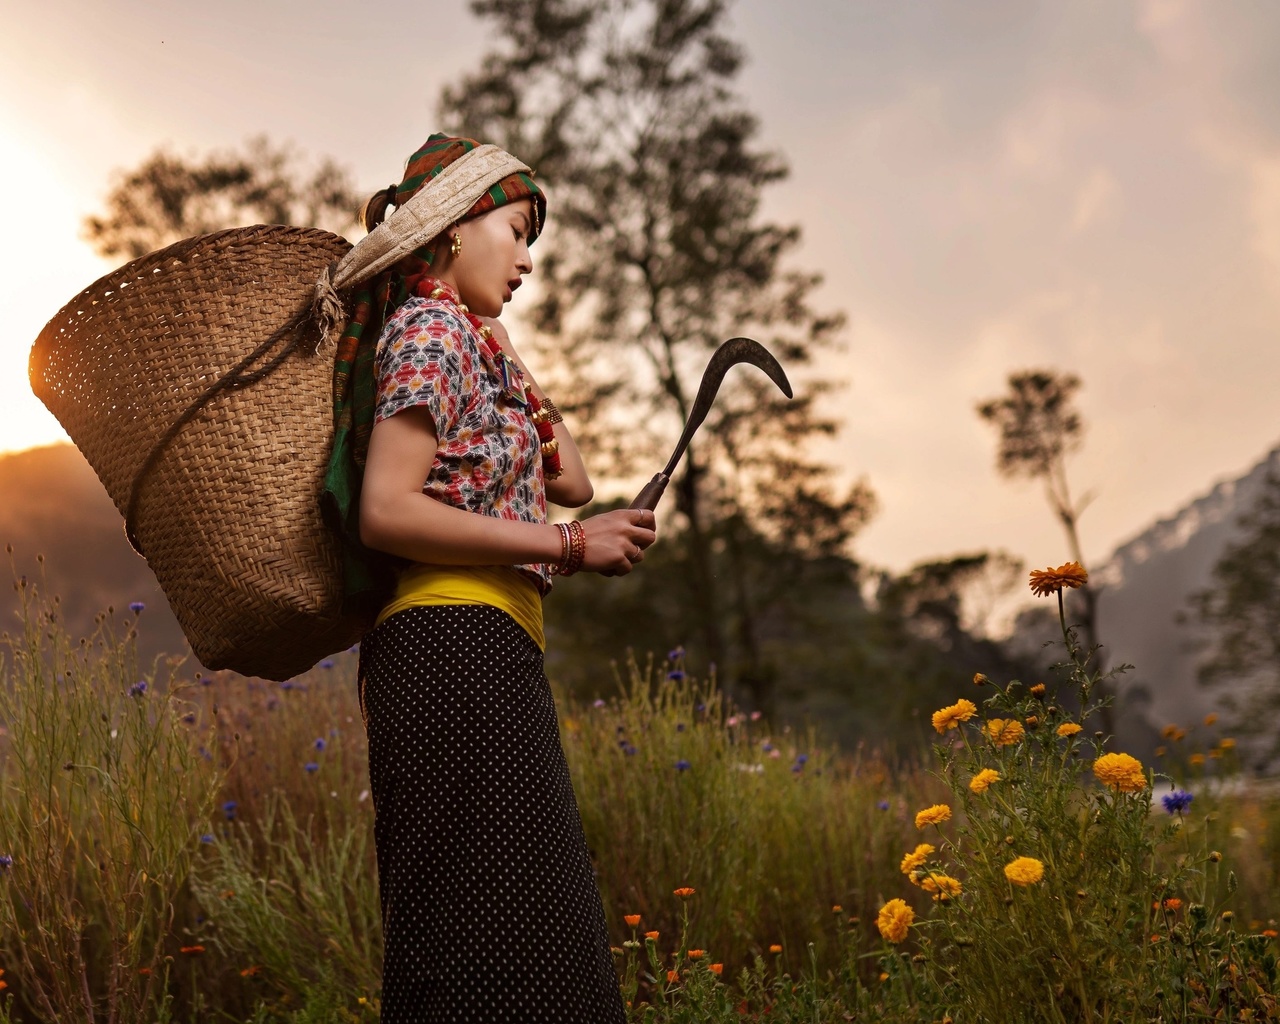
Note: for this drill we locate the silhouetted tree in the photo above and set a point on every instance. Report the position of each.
(656, 252)
(1039, 427)
(167, 198)
(1242, 611)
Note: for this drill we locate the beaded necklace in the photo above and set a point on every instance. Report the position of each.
(513, 382)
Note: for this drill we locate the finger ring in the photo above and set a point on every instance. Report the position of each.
(635, 556)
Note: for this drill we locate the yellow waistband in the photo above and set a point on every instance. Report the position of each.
(500, 586)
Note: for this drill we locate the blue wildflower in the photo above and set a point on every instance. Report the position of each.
(320, 744)
(766, 746)
(628, 749)
(700, 707)
(138, 688)
(189, 717)
(1177, 801)
(207, 837)
(797, 767)
(883, 805)
(288, 684)
(676, 674)
(802, 758)
(327, 663)
(136, 607)
(311, 766)
(676, 653)
(5, 861)
(229, 809)
(683, 765)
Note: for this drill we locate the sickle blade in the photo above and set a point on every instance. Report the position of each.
(732, 352)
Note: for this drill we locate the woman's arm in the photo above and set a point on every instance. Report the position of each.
(396, 517)
(572, 488)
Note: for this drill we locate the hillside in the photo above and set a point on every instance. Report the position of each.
(52, 504)
(1148, 583)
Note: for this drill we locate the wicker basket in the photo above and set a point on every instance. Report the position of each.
(227, 511)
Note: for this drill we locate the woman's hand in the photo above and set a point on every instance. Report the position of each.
(616, 541)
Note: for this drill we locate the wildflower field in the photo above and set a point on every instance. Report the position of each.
(186, 847)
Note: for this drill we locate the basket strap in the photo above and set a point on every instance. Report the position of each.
(238, 376)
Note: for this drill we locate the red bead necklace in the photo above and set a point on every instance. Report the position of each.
(513, 382)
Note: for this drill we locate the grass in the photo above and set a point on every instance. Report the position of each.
(208, 855)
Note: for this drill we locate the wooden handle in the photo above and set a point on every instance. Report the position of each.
(652, 492)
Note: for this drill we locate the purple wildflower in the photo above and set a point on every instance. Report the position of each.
(766, 746)
(327, 663)
(320, 744)
(311, 766)
(676, 653)
(136, 607)
(138, 688)
(883, 805)
(628, 749)
(797, 767)
(189, 717)
(207, 837)
(229, 809)
(1177, 801)
(802, 758)
(683, 765)
(598, 702)
(676, 674)
(5, 861)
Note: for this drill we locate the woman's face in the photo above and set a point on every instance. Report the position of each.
(494, 257)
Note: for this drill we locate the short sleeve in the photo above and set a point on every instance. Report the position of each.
(424, 359)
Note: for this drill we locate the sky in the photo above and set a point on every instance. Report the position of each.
(985, 187)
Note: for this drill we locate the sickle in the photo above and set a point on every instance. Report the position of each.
(735, 350)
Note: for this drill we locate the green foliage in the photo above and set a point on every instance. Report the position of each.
(167, 198)
(103, 795)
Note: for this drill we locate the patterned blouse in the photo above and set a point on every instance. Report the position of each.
(488, 457)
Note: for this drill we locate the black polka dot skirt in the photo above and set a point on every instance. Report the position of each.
(490, 909)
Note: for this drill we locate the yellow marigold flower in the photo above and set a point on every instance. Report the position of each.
(1196, 760)
(934, 815)
(894, 919)
(1169, 732)
(717, 968)
(1037, 690)
(1044, 582)
(1024, 871)
(1179, 735)
(1121, 773)
(837, 909)
(685, 892)
(980, 782)
(979, 679)
(1211, 718)
(951, 717)
(942, 886)
(916, 857)
(632, 919)
(775, 948)
(1005, 732)
(1227, 744)
(1161, 751)
(1069, 729)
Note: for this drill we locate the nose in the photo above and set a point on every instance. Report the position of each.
(524, 262)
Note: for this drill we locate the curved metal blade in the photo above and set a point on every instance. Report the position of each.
(732, 352)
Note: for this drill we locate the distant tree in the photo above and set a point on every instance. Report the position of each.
(1242, 610)
(1039, 426)
(656, 253)
(167, 198)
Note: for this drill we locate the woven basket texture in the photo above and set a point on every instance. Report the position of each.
(228, 517)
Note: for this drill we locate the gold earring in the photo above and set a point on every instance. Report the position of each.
(455, 247)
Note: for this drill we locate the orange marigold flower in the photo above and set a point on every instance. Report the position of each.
(942, 886)
(979, 679)
(950, 717)
(1120, 772)
(651, 935)
(1044, 582)
(192, 950)
(1172, 903)
(672, 976)
(916, 857)
(982, 781)
(775, 948)
(685, 892)
(1169, 732)
(1211, 718)
(1227, 744)
(1069, 729)
(716, 968)
(1005, 732)
(1024, 871)
(249, 972)
(696, 954)
(934, 815)
(631, 919)
(894, 919)
(1270, 933)
(837, 909)
(3, 985)
(1196, 760)
(1037, 690)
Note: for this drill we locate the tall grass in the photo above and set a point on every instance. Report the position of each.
(230, 818)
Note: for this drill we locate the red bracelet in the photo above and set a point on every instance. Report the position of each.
(572, 535)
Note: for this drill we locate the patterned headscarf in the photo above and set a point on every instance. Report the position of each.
(368, 574)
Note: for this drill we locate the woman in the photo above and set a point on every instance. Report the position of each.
(490, 909)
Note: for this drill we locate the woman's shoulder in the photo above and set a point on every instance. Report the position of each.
(417, 311)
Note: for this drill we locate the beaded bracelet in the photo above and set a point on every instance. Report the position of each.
(572, 535)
